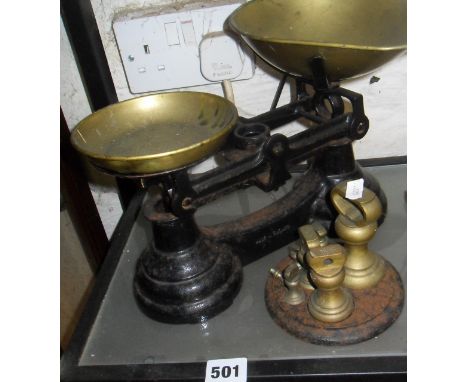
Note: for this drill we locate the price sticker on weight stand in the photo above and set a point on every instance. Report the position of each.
(226, 370)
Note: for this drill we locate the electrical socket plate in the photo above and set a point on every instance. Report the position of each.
(161, 52)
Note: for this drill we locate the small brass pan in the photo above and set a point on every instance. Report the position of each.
(353, 37)
(156, 133)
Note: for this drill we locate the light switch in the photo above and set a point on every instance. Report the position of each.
(188, 32)
(172, 34)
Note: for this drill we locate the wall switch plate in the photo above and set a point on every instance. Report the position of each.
(161, 52)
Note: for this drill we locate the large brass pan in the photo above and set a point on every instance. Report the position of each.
(155, 133)
(354, 37)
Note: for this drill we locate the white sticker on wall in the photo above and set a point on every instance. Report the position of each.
(354, 189)
(226, 370)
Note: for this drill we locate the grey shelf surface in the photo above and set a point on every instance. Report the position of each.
(122, 335)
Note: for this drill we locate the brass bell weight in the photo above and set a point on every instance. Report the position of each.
(330, 302)
(356, 225)
(311, 236)
(291, 278)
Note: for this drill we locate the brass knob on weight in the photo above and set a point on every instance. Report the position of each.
(330, 302)
(312, 236)
(356, 225)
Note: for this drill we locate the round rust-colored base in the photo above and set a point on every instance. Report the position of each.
(375, 310)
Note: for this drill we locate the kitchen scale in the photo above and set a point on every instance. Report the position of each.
(192, 272)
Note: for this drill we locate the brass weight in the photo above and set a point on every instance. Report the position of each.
(356, 225)
(330, 302)
(290, 276)
(310, 236)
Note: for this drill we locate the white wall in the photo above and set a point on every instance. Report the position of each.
(385, 100)
(75, 107)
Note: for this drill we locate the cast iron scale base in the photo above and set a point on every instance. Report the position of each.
(183, 276)
(375, 310)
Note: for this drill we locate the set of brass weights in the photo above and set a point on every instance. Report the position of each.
(336, 292)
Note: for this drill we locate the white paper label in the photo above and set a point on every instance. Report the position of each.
(354, 189)
(226, 370)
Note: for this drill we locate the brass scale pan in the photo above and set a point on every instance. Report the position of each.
(167, 131)
(353, 37)
(155, 133)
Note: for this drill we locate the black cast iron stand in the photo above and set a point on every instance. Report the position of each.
(183, 277)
